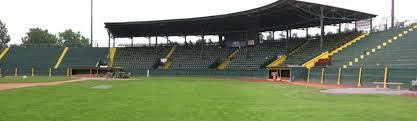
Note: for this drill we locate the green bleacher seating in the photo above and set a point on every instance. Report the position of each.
(139, 57)
(84, 57)
(312, 48)
(27, 58)
(361, 46)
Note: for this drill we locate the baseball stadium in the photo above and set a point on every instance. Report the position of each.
(362, 71)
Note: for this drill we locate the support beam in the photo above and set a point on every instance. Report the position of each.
(185, 39)
(149, 38)
(167, 39)
(109, 37)
(340, 28)
(286, 41)
(131, 39)
(156, 40)
(114, 42)
(273, 35)
(322, 28)
(246, 40)
(307, 33)
(356, 26)
(370, 25)
(203, 41)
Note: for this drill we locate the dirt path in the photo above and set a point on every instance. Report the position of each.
(22, 85)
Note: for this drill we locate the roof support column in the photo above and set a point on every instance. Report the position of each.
(167, 40)
(307, 33)
(109, 37)
(114, 42)
(356, 25)
(149, 38)
(286, 41)
(203, 41)
(156, 41)
(273, 35)
(371, 29)
(340, 28)
(247, 44)
(322, 28)
(131, 39)
(156, 44)
(185, 39)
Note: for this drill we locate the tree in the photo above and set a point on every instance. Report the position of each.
(37, 36)
(69, 38)
(4, 37)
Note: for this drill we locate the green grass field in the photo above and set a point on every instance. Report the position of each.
(196, 99)
(20, 79)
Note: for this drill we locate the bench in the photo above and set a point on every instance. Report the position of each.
(389, 83)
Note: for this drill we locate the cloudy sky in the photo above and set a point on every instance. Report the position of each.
(59, 15)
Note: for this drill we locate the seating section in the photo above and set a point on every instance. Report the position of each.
(254, 57)
(28, 58)
(84, 57)
(401, 54)
(312, 48)
(361, 46)
(139, 58)
(190, 57)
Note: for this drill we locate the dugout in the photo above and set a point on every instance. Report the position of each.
(288, 73)
(88, 71)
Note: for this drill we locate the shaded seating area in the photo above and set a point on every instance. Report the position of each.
(193, 57)
(139, 57)
(254, 57)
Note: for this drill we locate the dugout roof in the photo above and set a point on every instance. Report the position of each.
(280, 15)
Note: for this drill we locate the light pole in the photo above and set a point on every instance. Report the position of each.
(392, 13)
(91, 24)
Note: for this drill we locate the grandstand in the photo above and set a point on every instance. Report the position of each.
(240, 48)
(185, 57)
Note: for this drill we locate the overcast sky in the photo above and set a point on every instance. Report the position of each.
(59, 15)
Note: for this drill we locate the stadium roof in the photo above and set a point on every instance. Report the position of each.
(280, 15)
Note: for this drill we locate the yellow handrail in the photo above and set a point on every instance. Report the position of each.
(278, 61)
(228, 60)
(4, 53)
(168, 63)
(61, 57)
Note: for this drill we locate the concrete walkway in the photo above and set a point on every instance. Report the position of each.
(367, 91)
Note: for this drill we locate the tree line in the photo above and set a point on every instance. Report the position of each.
(41, 37)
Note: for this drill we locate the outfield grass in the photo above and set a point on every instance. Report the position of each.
(194, 99)
(20, 79)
